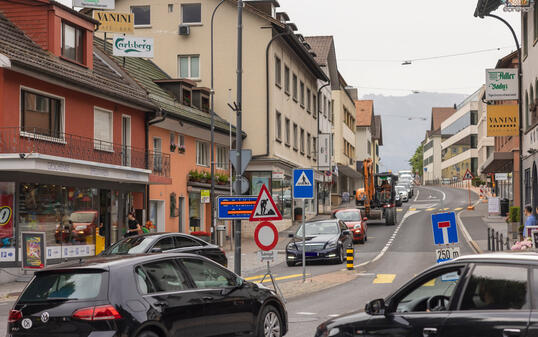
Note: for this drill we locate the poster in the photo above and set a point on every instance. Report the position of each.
(205, 196)
(257, 183)
(33, 250)
(6, 219)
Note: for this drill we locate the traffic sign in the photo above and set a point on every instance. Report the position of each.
(444, 228)
(468, 175)
(447, 254)
(265, 208)
(235, 208)
(303, 184)
(246, 156)
(266, 236)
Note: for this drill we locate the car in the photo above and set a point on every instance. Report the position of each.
(326, 240)
(148, 295)
(408, 187)
(398, 200)
(402, 191)
(82, 224)
(355, 222)
(166, 243)
(474, 295)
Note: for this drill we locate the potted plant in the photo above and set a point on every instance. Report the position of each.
(194, 175)
(513, 223)
(205, 176)
(172, 147)
(202, 235)
(222, 179)
(181, 149)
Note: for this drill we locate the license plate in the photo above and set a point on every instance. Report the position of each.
(311, 254)
(448, 253)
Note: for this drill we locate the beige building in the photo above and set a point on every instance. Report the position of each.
(280, 122)
(432, 146)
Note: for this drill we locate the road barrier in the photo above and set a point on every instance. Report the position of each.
(349, 258)
(496, 241)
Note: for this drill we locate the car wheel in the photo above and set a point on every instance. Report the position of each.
(270, 324)
(290, 263)
(147, 334)
(366, 238)
(361, 241)
(342, 257)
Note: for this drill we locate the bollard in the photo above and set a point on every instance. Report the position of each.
(497, 241)
(492, 240)
(501, 241)
(350, 257)
(507, 243)
(489, 239)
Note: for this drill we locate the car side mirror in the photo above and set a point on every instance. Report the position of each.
(376, 307)
(290, 235)
(346, 232)
(156, 250)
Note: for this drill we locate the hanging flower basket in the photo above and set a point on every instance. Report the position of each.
(181, 149)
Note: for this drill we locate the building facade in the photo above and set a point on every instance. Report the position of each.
(364, 137)
(432, 146)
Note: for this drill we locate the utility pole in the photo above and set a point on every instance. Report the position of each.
(239, 132)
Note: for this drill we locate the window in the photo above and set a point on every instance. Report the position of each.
(160, 276)
(72, 43)
(314, 148)
(288, 138)
(286, 80)
(295, 87)
(70, 285)
(278, 126)
(308, 100)
(223, 160)
(191, 13)
(182, 242)
(170, 8)
(308, 148)
(202, 154)
(302, 141)
(189, 66)
(157, 157)
(165, 243)
(369, 147)
(495, 287)
(208, 275)
(315, 105)
(102, 129)
(525, 33)
(302, 94)
(141, 15)
(180, 140)
(528, 185)
(535, 21)
(41, 115)
(295, 137)
(278, 72)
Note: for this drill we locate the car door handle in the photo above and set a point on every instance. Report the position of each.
(208, 298)
(429, 332)
(511, 332)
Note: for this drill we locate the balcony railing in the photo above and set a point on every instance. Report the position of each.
(17, 140)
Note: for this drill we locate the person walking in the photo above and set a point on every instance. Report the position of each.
(531, 220)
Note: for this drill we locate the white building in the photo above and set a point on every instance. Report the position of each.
(432, 146)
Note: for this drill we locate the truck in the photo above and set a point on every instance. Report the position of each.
(377, 200)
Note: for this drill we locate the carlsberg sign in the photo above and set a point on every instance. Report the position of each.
(130, 46)
(501, 84)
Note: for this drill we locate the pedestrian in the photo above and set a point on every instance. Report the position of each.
(133, 227)
(531, 220)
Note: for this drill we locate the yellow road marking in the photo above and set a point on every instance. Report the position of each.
(399, 209)
(430, 209)
(458, 209)
(444, 209)
(285, 277)
(430, 283)
(253, 277)
(384, 278)
(412, 209)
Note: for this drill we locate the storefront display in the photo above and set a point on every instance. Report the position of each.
(7, 233)
(194, 211)
(33, 250)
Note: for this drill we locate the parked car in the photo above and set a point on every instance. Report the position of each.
(408, 187)
(155, 295)
(474, 295)
(355, 222)
(398, 200)
(167, 243)
(79, 226)
(326, 240)
(402, 191)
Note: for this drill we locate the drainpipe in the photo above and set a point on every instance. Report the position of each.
(319, 121)
(146, 135)
(161, 119)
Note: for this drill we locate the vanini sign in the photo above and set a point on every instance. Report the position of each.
(130, 46)
(503, 120)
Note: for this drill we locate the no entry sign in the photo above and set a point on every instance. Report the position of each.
(266, 236)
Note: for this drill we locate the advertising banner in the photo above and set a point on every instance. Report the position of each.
(503, 120)
(112, 22)
(33, 250)
(6, 217)
(100, 4)
(501, 84)
(130, 46)
(324, 155)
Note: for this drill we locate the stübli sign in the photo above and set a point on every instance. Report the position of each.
(99, 4)
(503, 120)
(130, 46)
(112, 22)
(501, 84)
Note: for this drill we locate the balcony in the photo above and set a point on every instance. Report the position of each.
(19, 141)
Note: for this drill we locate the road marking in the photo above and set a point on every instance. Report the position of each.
(430, 209)
(412, 209)
(254, 277)
(444, 209)
(436, 190)
(285, 277)
(418, 192)
(430, 283)
(458, 209)
(399, 209)
(333, 315)
(306, 313)
(384, 278)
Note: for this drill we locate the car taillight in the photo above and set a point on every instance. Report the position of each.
(223, 252)
(100, 313)
(14, 316)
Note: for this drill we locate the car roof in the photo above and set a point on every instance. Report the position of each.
(523, 257)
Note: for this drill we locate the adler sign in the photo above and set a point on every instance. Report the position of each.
(501, 84)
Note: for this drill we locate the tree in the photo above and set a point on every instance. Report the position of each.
(416, 160)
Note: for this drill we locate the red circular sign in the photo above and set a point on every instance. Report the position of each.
(266, 235)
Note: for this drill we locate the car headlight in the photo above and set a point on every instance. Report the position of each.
(357, 226)
(331, 245)
(291, 245)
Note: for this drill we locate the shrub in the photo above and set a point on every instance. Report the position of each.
(513, 215)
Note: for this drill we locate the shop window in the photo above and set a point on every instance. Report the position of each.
(281, 193)
(142, 15)
(258, 179)
(102, 130)
(42, 115)
(72, 43)
(7, 233)
(191, 13)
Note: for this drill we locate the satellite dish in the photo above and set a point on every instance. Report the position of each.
(4, 61)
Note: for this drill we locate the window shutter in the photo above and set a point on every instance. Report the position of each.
(102, 130)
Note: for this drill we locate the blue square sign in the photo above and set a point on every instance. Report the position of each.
(303, 184)
(444, 228)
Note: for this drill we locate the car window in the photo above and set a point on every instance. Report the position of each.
(182, 242)
(64, 285)
(437, 289)
(348, 215)
(208, 275)
(160, 276)
(343, 226)
(319, 228)
(165, 243)
(134, 245)
(495, 287)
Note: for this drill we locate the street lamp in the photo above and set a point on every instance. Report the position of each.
(483, 9)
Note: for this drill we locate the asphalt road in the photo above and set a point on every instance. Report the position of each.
(409, 252)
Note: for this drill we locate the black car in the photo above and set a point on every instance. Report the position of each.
(493, 295)
(326, 240)
(169, 243)
(153, 295)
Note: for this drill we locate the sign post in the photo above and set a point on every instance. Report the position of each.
(445, 232)
(303, 188)
(469, 176)
(266, 238)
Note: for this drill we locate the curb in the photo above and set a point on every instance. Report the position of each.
(474, 246)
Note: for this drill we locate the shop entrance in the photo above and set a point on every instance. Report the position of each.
(103, 233)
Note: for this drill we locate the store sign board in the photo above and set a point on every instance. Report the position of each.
(7, 254)
(501, 84)
(33, 250)
(131, 46)
(113, 22)
(6, 217)
(502, 120)
(501, 176)
(205, 196)
(99, 4)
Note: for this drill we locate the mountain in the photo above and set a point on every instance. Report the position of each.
(404, 126)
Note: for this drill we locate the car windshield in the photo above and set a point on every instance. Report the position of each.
(82, 217)
(318, 228)
(63, 286)
(400, 189)
(134, 245)
(348, 215)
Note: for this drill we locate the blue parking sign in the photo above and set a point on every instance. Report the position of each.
(444, 228)
(303, 184)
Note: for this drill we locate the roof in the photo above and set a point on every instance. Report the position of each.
(378, 129)
(321, 46)
(102, 79)
(439, 115)
(365, 111)
(509, 61)
(72, 11)
(145, 72)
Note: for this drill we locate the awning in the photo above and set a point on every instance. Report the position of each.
(499, 162)
(348, 171)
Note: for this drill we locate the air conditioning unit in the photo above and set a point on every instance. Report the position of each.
(184, 29)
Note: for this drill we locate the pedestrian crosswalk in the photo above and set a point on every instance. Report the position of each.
(432, 209)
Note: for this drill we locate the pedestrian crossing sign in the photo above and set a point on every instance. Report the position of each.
(468, 175)
(303, 184)
(265, 208)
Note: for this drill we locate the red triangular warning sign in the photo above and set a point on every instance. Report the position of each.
(265, 208)
(468, 175)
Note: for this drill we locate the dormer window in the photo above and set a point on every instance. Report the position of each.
(72, 43)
